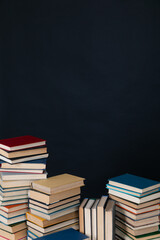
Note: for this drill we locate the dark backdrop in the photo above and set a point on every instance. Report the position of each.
(85, 76)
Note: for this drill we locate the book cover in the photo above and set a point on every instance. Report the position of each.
(21, 142)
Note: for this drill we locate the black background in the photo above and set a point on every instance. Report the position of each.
(85, 76)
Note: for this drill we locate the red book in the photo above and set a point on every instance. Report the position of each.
(17, 143)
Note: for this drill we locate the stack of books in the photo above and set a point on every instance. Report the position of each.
(23, 159)
(96, 218)
(137, 206)
(68, 234)
(54, 204)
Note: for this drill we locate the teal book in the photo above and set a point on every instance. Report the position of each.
(68, 234)
(134, 183)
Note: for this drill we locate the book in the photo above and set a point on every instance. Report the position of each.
(15, 170)
(24, 159)
(55, 204)
(34, 164)
(110, 220)
(13, 208)
(101, 217)
(22, 153)
(13, 228)
(135, 205)
(14, 184)
(13, 202)
(134, 199)
(54, 209)
(69, 234)
(45, 223)
(136, 231)
(132, 193)
(137, 223)
(5, 176)
(58, 183)
(137, 216)
(12, 220)
(38, 234)
(57, 214)
(22, 142)
(138, 211)
(81, 214)
(13, 214)
(87, 217)
(127, 236)
(10, 198)
(13, 236)
(94, 220)
(13, 193)
(134, 183)
(53, 227)
(49, 199)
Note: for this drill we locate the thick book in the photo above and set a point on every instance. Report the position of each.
(135, 205)
(13, 193)
(43, 223)
(49, 199)
(94, 220)
(13, 208)
(101, 218)
(134, 183)
(24, 159)
(55, 204)
(53, 227)
(24, 152)
(12, 220)
(87, 217)
(58, 183)
(34, 164)
(15, 184)
(12, 202)
(6, 176)
(13, 236)
(81, 215)
(13, 228)
(110, 220)
(69, 234)
(22, 142)
(13, 214)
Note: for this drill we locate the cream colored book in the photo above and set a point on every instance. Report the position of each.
(58, 183)
(49, 199)
(22, 153)
(101, 217)
(110, 220)
(81, 215)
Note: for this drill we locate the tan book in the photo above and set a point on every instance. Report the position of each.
(45, 223)
(138, 211)
(110, 220)
(53, 205)
(5, 176)
(58, 183)
(49, 199)
(136, 223)
(13, 214)
(12, 202)
(101, 217)
(55, 209)
(81, 215)
(15, 184)
(134, 205)
(13, 236)
(22, 153)
(13, 228)
(139, 230)
(53, 227)
(13, 208)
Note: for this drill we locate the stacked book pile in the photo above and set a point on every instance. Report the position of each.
(96, 218)
(53, 205)
(23, 159)
(137, 207)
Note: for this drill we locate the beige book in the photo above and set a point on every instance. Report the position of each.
(81, 215)
(45, 223)
(58, 183)
(101, 217)
(138, 211)
(55, 204)
(110, 220)
(49, 199)
(14, 227)
(15, 184)
(22, 153)
(134, 205)
(13, 236)
(13, 214)
(137, 231)
(11, 202)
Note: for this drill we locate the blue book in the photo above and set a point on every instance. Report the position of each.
(134, 183)
(68, 234)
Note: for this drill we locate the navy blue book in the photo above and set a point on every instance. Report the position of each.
(134, 183)
(68, 234)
